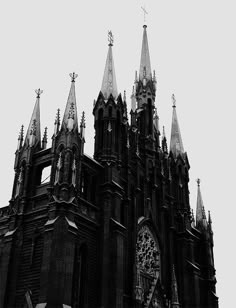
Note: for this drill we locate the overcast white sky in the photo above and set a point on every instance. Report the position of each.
(192, 48)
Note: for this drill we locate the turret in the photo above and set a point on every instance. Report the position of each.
(68, 147)
(145, 91)
(110, 113)
(25, 151)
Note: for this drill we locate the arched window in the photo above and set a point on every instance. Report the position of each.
(147, 263)
(59, 166)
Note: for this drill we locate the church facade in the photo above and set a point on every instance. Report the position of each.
(112, 231)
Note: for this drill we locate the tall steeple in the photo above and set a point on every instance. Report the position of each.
(145, 63)
(70, 120)
(109, 85)
(176, 144)
(200, 213)
(33, 135)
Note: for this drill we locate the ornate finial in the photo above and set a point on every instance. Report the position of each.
(73, 76)
(198, 182)
(163, 132)
(21, 137)
(45, 133)
(82, 125)
(144, 13)
(110, 38)
(173, 100)
(45, 138)
(57, 120)
(124, 97)
(82, 122)
(21, 134)
(38, 92)
(209, 217)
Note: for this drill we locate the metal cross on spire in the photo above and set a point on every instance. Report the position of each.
(144, 13)
(38, 92)
(73, 76)
(198, 182)
(110, 38)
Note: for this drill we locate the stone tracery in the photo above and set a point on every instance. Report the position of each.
(148, 252)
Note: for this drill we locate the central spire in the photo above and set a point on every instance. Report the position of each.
(109, 85)
(145, 63)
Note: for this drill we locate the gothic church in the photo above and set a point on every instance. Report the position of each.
(112, 231)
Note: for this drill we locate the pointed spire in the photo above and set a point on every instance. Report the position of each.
(200, 213)
(33, 135)
(133, 101)
(164, 143)
(70, 120)
(209, 221)
(82, 126)
(109, 85)
(145, 63)
(57, 122)
(45, 138)
(125, 114)
(174, 289)
(20, 138)
(176, 144)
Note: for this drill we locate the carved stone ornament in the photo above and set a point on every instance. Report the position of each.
(148, 252)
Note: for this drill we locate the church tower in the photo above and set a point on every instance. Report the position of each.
(112, 231)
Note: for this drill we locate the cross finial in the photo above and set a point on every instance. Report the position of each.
(173, 100)
(198, 182)
(73, 76)
(38, 92)
(144, 13)
(110, 38)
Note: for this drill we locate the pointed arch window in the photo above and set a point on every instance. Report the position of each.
(19, 182)
(58, 168)
(147, 263)
(73, 168)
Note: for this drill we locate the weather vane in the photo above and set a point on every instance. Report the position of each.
(38, 92)
(110, 38)
(144, 13)
(73, 76)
